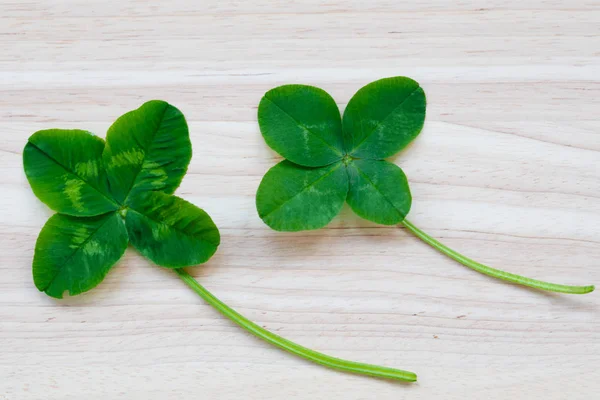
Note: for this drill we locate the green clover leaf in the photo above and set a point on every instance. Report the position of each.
(75, 253)
(309, 197)
(378, 191)
(303, 124)
(65, 171)
(109, 194)
(147, 149)
(327, 166)
(170, 231)
(383, 117)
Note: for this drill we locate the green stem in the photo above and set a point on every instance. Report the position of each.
(311, 355)
(495, 273)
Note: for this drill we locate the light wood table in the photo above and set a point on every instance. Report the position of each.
(506, 170)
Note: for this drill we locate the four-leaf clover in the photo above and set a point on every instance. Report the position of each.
(107, 195)
(331, 160)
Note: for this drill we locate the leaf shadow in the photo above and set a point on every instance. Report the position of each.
(345, 228)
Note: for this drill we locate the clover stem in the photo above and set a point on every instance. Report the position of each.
(495, 273)
(311, 355)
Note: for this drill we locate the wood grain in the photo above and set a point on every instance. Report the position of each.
(506, 171)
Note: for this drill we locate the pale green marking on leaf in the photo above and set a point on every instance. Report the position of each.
(160, 231)
(79, 236)
(156, 232)
(88, 169)
(127, 158)
(73, 192)
(160, 177)
(92, 248)
(156, 172)
(149, 164)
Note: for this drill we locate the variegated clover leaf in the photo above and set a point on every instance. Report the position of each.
(107, 195)
(331, 160)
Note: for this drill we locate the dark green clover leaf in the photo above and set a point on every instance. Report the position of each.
(170, 231)
(107, 196)
(293, 196)
(75, 253)
(65, 170)
(383, 117)
(147, 149)
(303, 124)
(378, 191)
(307, 190)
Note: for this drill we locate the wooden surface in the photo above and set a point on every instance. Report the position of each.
(506, 170)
